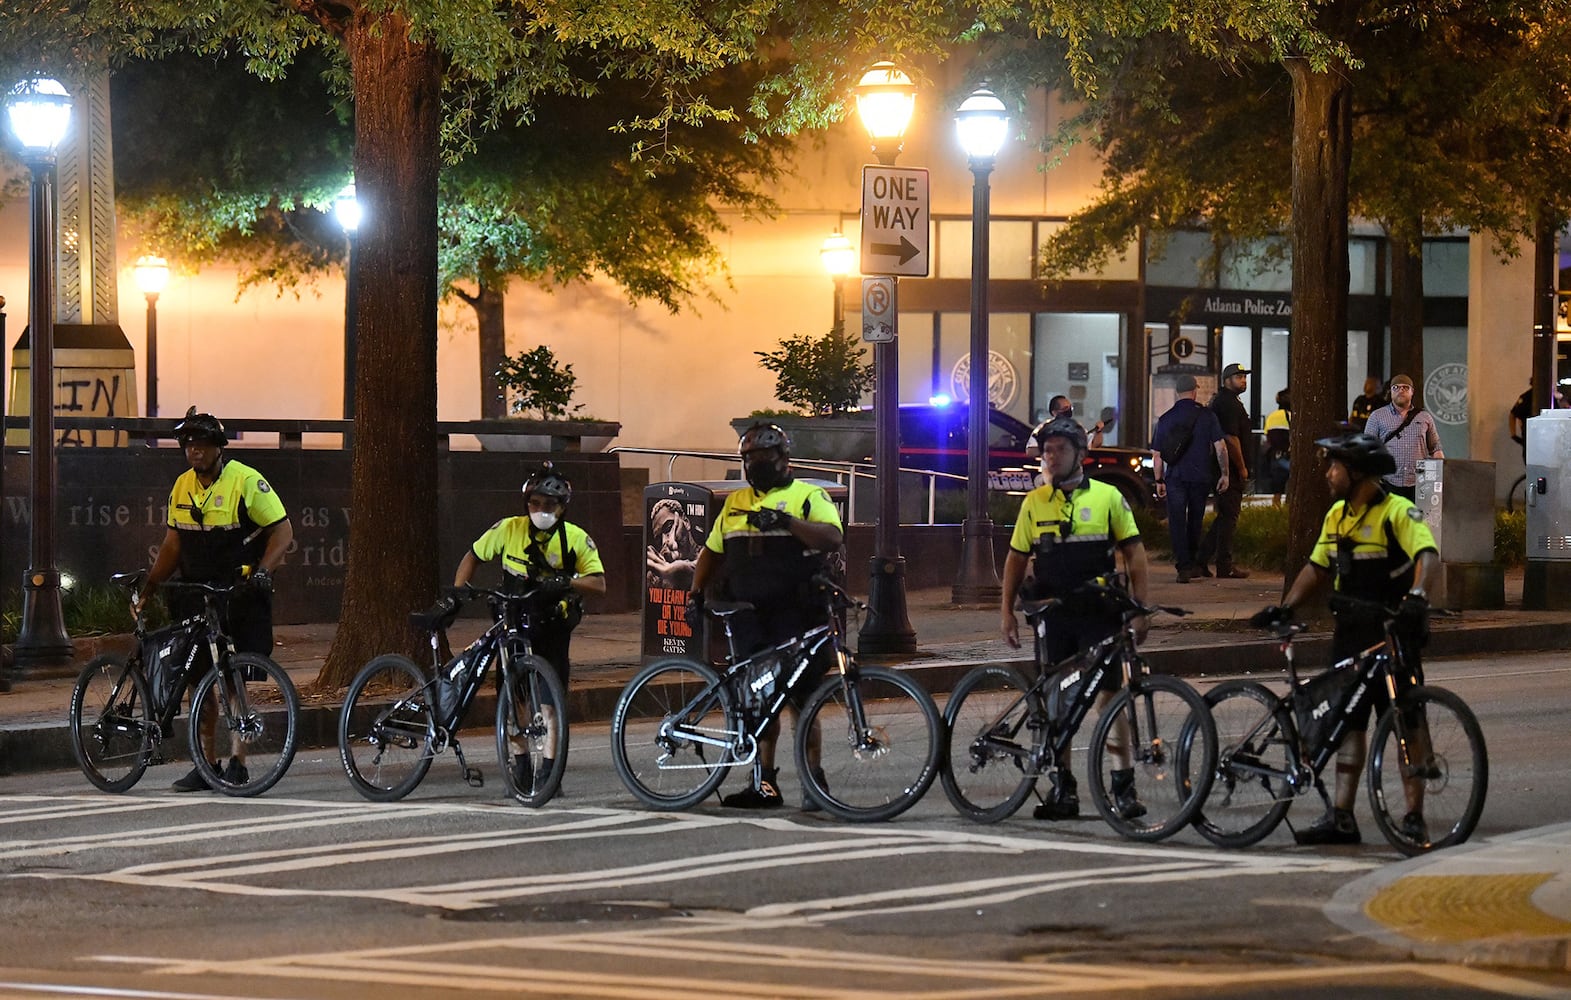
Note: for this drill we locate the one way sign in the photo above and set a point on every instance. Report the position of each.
(894, 221)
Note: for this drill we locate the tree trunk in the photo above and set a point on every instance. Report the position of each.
(1322, 151)
(1407, 311)
(488, 303)
(393, 535)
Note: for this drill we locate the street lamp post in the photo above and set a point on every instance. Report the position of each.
(39, 112)
(152, 276)
(348, 211)
(839, 259)
(885, 99)
(981, 124)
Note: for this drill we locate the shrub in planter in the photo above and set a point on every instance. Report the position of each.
(538, 385)
(820, 376)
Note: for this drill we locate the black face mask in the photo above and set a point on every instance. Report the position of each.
(764, 474)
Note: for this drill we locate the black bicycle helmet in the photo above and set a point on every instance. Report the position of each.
(761, 436)
(1361, 453)
(200, 427)
(547, 482)
(1064, 427)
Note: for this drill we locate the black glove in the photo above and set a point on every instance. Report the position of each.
(1274, 616)
(767, 518)
(1413, 612)
(694, 614)
(556, 585)
(260, 581)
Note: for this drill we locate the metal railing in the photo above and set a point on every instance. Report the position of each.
(847, 474)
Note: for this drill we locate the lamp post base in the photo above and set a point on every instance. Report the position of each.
(887, 630)
(977, 582)
(42, 642)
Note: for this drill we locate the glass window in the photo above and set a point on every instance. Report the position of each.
(1357, 364)
(1181, 259)
(1009, 345)
(1077, 355)
(1445, 267)
(916, 357)
(1124, 267)
(954, 248)
(1270, 376)
(1446, 385)
(1260, 266)
(1010, 252)
(1361, 259)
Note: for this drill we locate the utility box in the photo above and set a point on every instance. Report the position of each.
(1457, 500)
(677, 520)
(1546, 583)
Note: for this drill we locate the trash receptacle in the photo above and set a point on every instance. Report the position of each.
(677, 520)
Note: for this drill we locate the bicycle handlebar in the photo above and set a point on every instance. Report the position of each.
(133, 582)
(1132, 609)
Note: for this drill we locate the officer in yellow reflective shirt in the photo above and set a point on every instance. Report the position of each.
(1068, 532)
(222, 515)
(771, 538)
(1375, 546)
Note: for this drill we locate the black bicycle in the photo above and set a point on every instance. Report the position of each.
(397, 717)
(245, 714)
(1003, 733)
(680, 725)
(1427, 755)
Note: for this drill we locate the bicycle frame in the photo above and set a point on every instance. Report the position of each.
(1372, 662)
(507, 634)
(742, 738)
(1098, 659)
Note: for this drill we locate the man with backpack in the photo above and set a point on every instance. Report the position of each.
(1373, 546)
(1408, 432)
(1188, 439)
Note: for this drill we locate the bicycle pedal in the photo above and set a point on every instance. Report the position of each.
(473, 777)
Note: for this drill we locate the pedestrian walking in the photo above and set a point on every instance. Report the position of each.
(1187, 442)
(1217, 544)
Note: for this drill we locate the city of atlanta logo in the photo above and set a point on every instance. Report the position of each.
(1445, 394)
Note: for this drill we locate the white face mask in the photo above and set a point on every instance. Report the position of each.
(544, 520)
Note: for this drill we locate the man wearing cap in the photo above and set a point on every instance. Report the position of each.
(1236, 429)
(1409, 434)
(222, 515)
(1187, 439)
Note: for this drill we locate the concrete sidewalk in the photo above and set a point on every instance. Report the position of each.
(1504, 902)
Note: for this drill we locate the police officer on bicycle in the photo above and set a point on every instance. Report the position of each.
(222, 516)
(771, 539)
(543, 548)
(1068, 532)
(1374, 546)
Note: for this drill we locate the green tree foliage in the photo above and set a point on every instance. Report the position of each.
(820, 376)
(538, 384)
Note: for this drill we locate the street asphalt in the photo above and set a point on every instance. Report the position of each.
(1503, 901)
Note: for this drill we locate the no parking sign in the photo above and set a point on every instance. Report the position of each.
(878, 310)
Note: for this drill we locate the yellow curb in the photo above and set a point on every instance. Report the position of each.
(1454, 908)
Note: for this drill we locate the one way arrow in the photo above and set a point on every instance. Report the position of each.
(905, 249)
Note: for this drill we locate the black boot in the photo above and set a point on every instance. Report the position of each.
(763, 793)
(1337, 826)
(1063, 801)
(1126, 803)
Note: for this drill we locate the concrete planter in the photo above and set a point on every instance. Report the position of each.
(547, 435)
(841, 439)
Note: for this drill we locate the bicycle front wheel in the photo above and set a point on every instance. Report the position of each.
(1255, 754)
(386, 731)
(243, 738)
(878, 733)
(531, 730)
(1428, 771)
(665, 731)
(1152, 756)
(985, 764)
(111, 723)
